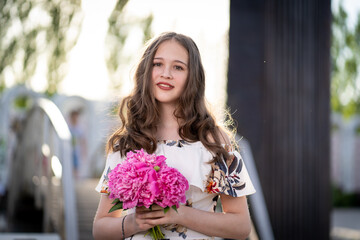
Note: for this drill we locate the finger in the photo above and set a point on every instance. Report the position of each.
(152, 214)
(142, 224)
(156, 207)
(145, 226)
(142, 209)
(155, 221)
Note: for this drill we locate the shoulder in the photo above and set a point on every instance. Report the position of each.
(113, 158)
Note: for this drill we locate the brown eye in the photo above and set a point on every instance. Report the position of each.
(179, 68)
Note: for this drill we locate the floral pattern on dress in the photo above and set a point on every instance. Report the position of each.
(105, 183)
(224, 177)
(176, 143)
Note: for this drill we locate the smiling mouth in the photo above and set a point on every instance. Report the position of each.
(165, 86)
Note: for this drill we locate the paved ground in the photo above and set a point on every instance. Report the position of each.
(87, 202)
(345, 224)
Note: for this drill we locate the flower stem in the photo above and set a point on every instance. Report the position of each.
(156, 233)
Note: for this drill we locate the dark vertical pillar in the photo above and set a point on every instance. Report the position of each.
(246, 67)
(278, 87)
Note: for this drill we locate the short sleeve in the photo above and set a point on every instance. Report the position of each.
(112, 160)
(230, 177)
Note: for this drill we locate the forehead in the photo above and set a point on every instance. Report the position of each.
(172, 50)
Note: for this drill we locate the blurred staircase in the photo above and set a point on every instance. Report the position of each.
(87, 201)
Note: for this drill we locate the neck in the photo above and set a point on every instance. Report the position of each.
(168, 128)
(167, 117)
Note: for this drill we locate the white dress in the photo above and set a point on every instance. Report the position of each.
(206, 181)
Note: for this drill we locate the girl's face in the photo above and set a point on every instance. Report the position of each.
(170, 72)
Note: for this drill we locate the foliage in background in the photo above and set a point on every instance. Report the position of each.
(33, 30)
(344, 199)
(345, 53)
(119, 30)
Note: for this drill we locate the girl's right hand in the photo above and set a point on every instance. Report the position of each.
(147, 218)
(143, 215)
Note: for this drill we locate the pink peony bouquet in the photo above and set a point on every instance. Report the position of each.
(143, 180)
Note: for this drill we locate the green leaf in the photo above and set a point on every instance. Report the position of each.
(175, 208)
(166, 209)
(116, 201)
(117, 206)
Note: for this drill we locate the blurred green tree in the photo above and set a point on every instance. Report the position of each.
(33, 31)
(345, 54)
(120, 27)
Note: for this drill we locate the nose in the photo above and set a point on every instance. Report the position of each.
(166, 73)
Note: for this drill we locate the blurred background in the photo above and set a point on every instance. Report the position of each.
(287, 70)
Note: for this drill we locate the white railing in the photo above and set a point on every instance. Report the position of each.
(257, 200)
(39, 162)
(63, 168)
(7, 139)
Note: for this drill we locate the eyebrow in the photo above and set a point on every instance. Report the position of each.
(179, 61)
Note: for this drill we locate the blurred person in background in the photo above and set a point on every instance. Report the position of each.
(78, 141)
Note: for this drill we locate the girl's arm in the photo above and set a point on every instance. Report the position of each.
(233, 222)
(109, 225)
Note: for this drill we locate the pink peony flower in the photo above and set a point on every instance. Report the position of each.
(173, 186)
(144, 179)
(130, 181)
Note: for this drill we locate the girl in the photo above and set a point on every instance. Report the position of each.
(166, 115)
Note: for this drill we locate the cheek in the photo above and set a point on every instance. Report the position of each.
(152, 81)
(155, 73)
(183, 84)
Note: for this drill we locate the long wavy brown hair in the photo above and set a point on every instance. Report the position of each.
(139, 112)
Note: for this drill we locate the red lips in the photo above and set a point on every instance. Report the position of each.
(164, 86)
